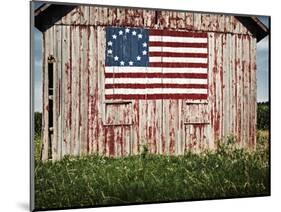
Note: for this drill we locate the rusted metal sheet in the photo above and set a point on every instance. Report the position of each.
(84, 123)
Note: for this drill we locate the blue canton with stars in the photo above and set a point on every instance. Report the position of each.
(126, 46)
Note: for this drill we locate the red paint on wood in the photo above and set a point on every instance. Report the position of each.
(172, 141)
(177, 33)
(177, 54)
(156, 75)
(177, 44)
(109, 140)
(156, 85)
(156, 96)
(178, 65)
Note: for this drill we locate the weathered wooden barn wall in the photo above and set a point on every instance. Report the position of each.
(84, 123)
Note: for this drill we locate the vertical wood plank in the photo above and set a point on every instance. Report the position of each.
(197, 21)
(180, 138)
(165, 128)
(135, 128)
(221, 23)
(75, 45)
(189, 21)
(173, 20)
(84, 65)
(127, 138)
(159, 130)
(76, 16)
(111, 16)
(84, 14)
(66, 89)
(45, 98)
(163, 19)
(142, 123)
(217, 83)
(120, 17)
(58, 87)
(225, 87)
(232, 85)
(253, 118)
(239, 89)
(181, 20)
(149, 18)
(211, 90)
(102, 16)
(93, 15)
(246, 70)
(228, 27)
(100, 70)
(93, 91)
(150, 128)
(134, 17)
(206, 21)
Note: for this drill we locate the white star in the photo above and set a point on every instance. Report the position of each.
(134, 32)
(109, 51)
(139, 35)
(127, 30)
(144, 52)
(114, 36)
(116, 58)
(120, 32)
(122, 63)
(109, 43)
(144, 44)
(138, 58)
(131, 63)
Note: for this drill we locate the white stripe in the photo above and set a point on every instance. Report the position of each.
(155, 80)
(178, 59)
(177, 39)
(119, 69)
(156, 91)
(177, 49)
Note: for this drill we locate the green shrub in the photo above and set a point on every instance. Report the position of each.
(37, 123)
(263, 115)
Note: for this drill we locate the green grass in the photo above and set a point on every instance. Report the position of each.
(96, 180)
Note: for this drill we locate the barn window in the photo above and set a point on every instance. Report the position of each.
(50, 95)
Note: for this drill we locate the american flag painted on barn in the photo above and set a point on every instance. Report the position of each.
(155, 64)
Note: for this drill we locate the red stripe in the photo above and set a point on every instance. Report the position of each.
(156, 96)
(179, 65)
(155, 85)
(177, 54)
(177, 33)
(156, 75)
(178, 44)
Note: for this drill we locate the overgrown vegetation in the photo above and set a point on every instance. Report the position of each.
(97, 180)
(263, 116)
(37, 124)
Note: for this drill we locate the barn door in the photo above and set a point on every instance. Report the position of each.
(117, 126)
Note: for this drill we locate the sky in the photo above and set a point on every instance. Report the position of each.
(262, 67)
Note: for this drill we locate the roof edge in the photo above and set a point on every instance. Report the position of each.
(49, 13)
(255, 26)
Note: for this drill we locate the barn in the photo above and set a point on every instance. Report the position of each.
(116, 80)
